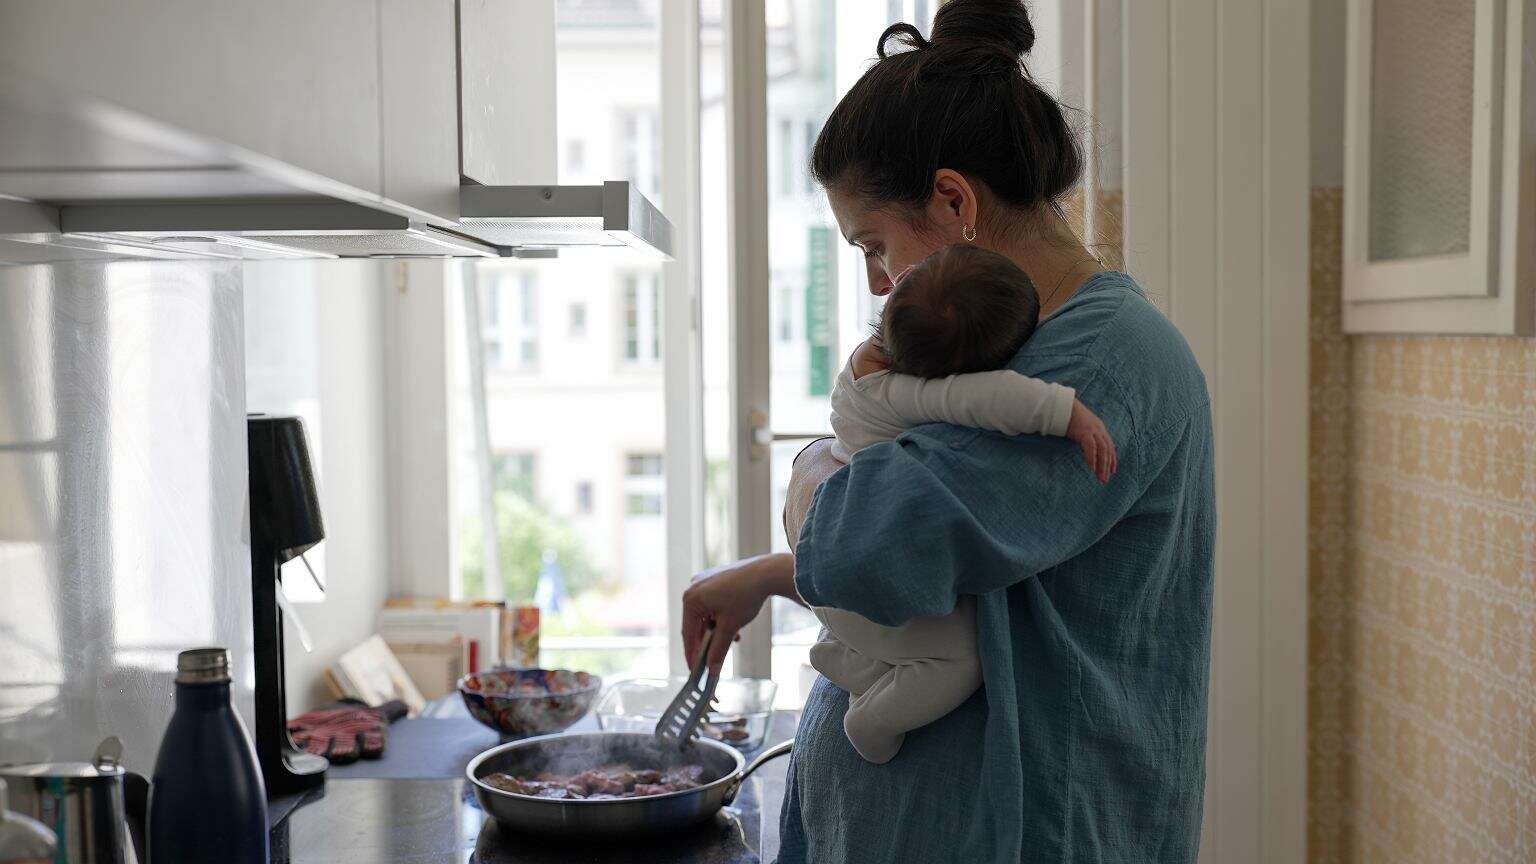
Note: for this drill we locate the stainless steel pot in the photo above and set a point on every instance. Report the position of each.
(572, 752)
(82, 802)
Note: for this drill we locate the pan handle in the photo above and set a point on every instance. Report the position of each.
(773, 752)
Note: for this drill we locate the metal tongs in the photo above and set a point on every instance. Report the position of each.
(680, 722)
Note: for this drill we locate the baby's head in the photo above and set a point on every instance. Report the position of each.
(961, 309)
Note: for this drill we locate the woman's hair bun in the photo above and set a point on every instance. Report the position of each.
(960, 98)
(999, 27)
(904, 34)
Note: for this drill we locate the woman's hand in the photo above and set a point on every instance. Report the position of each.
(730, 596)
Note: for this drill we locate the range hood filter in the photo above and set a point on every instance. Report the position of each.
(299, 229)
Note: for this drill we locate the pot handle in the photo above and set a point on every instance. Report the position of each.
(771, 753)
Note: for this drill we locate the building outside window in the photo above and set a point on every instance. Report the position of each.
(511, 321)
(641, 337)
(784, 314)
(640, 146)
(788, 156)
(578, 320)
(807, 182)
(516, 471)
(643, 484)
(492, 329)
(584, 497)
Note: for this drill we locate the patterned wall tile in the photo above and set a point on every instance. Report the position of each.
(1422, 588)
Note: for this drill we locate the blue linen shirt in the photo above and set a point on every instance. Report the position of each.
(1086, 742)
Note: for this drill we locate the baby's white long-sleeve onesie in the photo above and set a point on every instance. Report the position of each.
(902, 678)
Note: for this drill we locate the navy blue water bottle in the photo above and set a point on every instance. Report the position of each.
(206, 801)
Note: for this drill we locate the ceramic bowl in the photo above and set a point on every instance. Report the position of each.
(529, 701)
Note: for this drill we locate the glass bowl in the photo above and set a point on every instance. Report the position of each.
(743, 707)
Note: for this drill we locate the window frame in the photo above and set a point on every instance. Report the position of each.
(682, 360)
(747, 214)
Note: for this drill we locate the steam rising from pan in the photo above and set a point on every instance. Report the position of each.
(573, 754)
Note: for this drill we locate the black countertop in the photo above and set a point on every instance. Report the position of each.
(414, 806)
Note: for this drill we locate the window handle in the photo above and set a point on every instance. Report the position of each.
(761, 437)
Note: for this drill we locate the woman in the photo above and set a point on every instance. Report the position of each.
(1086, 741)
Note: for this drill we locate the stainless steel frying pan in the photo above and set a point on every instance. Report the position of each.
(572, 752)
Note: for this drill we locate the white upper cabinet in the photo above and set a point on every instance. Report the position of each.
(390, 104)
(295, 81)
(507, 92)
(420, 122)
(1440, 167)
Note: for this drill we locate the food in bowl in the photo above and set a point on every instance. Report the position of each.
(732, 729)
(742, 708)
(529, 701)
(618, 780)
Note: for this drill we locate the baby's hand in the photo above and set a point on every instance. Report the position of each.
(1088, 431)
(869, 357)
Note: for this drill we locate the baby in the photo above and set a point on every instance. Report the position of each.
(949, 325)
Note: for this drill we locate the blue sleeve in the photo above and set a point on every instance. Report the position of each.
(942, 511)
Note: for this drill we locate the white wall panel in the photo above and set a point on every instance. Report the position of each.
(1217, 172)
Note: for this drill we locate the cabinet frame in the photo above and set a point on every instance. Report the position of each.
(1488, 290)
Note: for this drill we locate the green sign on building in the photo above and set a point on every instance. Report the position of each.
(820, 310)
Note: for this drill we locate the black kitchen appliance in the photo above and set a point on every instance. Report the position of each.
(285, 522)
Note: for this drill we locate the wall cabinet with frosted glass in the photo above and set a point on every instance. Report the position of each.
(1440, 171)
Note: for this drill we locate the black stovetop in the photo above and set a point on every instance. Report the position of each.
(398, 821)
(413, 807)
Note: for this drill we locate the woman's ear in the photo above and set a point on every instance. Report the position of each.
(952, 206)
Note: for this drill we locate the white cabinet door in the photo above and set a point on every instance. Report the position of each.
(420, 122)
(293, 80)
(1439, 194)
(507, 91)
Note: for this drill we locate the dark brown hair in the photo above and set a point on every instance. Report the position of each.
(961, 309)
(962, 100)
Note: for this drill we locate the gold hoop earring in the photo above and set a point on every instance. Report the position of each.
(969, 233)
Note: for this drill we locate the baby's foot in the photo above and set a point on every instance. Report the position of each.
(845, 667)
(872, 743)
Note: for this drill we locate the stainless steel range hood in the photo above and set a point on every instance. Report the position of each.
(496, 221)
(560, 217)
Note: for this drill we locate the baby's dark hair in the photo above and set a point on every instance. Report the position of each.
(961, 309)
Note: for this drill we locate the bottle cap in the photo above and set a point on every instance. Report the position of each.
(202, 666)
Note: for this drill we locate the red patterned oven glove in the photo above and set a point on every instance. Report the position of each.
(343, 732)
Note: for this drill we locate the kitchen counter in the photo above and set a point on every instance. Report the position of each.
(388, 812)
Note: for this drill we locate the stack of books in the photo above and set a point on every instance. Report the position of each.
(440, 641)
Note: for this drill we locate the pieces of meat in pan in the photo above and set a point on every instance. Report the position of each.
(608, 781)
